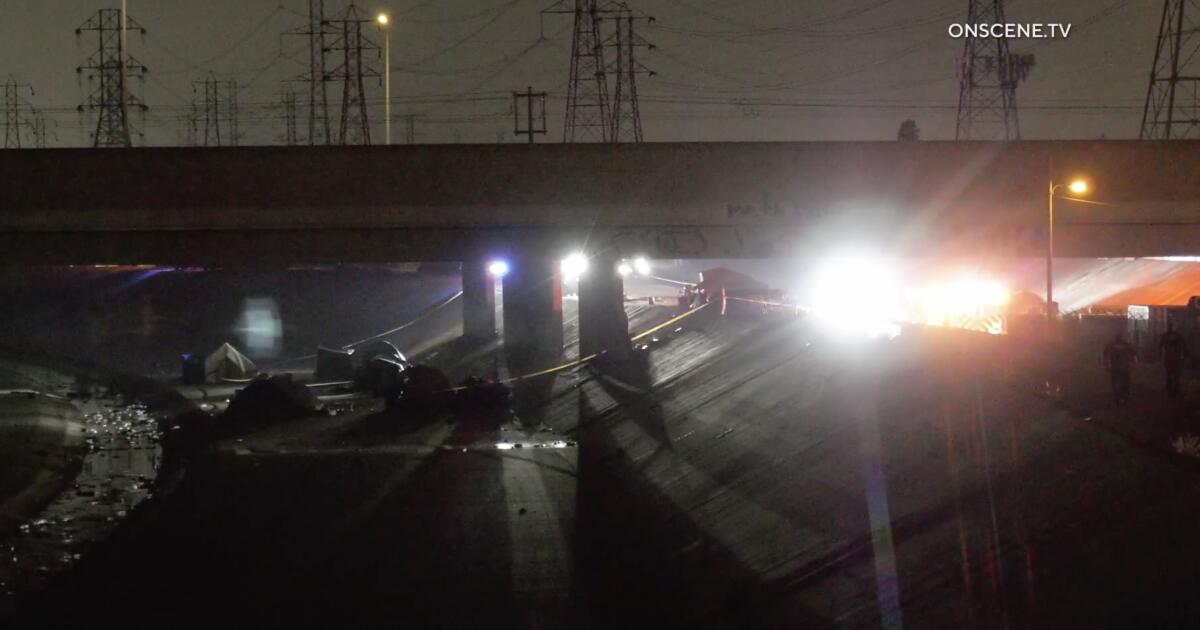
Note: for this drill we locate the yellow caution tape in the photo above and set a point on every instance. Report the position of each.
(589, 358)
(669, 322)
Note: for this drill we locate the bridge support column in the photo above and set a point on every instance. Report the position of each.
(603, 325)
(479, 301)
(533, 321)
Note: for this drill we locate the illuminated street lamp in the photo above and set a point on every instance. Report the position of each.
(1077, 187)
(383, 20)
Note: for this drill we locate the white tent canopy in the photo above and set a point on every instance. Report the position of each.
(226, 364)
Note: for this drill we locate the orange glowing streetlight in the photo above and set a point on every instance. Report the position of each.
(1077, 186)
(383, 20)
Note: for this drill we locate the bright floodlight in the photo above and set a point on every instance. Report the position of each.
(383, 19)
(498, 268)
(624, 269)
(1078, 187)
(856, 294)
(574, 266)
(962, 304)
(642, 266)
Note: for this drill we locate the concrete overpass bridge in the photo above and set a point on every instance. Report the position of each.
(532, 203)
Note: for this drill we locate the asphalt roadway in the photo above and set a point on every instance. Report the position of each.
(746, 473)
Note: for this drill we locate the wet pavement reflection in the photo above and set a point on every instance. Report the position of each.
(122, 459)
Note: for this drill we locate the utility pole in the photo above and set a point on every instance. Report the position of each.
(19, 115)
(626, 123)
(317, 31)
(110, 68)
(988, 79)
(384, 22)
(216, 104)
(355, 125)
(588, 117)
(532, 107)
(1172, 108)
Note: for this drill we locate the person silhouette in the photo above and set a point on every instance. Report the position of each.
(1119, 358)
(1173, 350)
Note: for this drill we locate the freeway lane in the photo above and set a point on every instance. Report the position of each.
(747, 474)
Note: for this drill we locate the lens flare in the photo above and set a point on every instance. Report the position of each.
(498, 268)
(574, 266)
(857, 294)
(969, 303)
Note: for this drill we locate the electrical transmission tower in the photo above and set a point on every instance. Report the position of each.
(215, 112)
(1173, 99)
(355, 127)
(288, 103)
(19, 116)
(410, 128)
(319, 32)
(40, 131)
(588, 117)
(187, 126)
(110, 68)
(626, 125)
(988, 79)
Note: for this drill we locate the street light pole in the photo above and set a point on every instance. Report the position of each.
(383, 20)
(1050, 310)
(1078, 187)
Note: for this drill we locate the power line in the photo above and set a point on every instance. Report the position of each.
(192, 66)
(720, 77)
(864, 104)
(459, 19)
(746, 29)
(504, 9)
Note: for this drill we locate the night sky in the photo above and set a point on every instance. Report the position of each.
(745, 70)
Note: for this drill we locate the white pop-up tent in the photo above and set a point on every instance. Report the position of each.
(227, 364)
